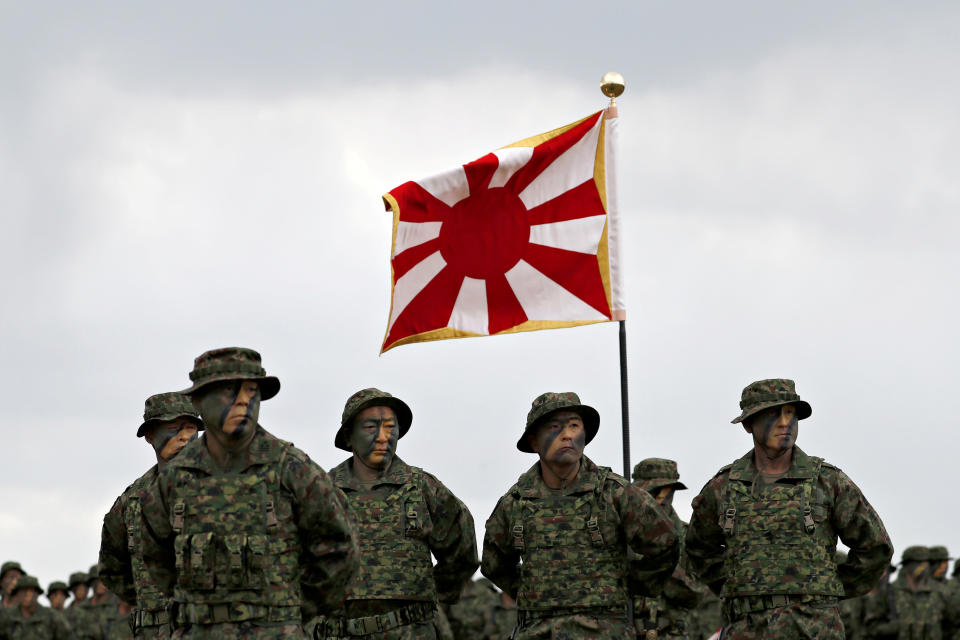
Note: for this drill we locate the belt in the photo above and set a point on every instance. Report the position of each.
(740, 606)
(526, 617)
(347, 627)
(200, 613)
(140, 618)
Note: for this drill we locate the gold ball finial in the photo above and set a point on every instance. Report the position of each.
(612, 85)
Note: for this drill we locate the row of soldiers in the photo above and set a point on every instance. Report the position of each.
(94, 613)
(240, 534)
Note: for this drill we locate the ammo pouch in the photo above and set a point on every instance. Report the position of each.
(208, 560)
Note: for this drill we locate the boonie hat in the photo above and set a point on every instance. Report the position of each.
(164, 407)
(231, 363)
(24, 582)
(654, 473)
(774, 392)
(364, 399)
(546, 403)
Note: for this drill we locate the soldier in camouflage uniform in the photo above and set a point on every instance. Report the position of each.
(57, 594)
(764, 529)
(169, 423)
(404, 515)
(668, 613)
(913, 608)
(102, 609)
(557, 541)
(10, 572)
(851, 609)
(26, 619)
(78, 612)
(471, 617)
(247, 527)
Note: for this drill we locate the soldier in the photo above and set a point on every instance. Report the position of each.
(939, 563)
(914, 607)
(250, 526)
(27, 620)
(570, 523)
(169, 423)
(667, 613)
(404, 515)
(468, 616)
(57, 595)
(78, 613)
(102, 609)
(10, 572)
(764, 529)
(851, 609)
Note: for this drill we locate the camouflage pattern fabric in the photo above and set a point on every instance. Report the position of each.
(578, 627)
(248, 548)
(572, 545)
(830, 506)
(800, 621)
(403, 518)
(669, 613)
(706, 619)
(546, 403)
(82, 621)
(124, 569)
(905, 611)
(774, 392)
(469, 615)
(44, 624)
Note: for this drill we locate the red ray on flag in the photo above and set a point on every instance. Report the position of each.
(521, 239)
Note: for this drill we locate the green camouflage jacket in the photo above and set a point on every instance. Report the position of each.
(44, 624)
(628, 515)
(406, 515)
(307, 519)
(837, 509)
(82, 621)
(468, 617)
(898, 611)
(121, 562)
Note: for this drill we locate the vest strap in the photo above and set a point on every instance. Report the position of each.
(178, 510)
(271, 515)
(197, 613)
(368, 625)
(140, 618)
(728, 519)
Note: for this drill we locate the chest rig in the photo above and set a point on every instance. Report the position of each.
(394, 525)
(779, 539)
(236, 546)
(571, 552)
(149, 595)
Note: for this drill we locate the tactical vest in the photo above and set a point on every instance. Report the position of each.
(236, 547)
(394, 527)
(571, 551)
(774, 544)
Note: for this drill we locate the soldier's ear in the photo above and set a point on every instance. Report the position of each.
(532, 441)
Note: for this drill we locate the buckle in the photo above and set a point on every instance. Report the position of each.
(518, 537)
(594, 528)
(728, 518)
(808, 524)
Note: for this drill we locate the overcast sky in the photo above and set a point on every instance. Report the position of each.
(188, 176)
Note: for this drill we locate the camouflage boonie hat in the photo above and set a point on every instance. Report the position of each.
(231, 363)
(57, 585)
(77, 578)
(654, 473)
(10, 565)
(915, 554)
(364, 399)
(774, 392)
(164, 407)
(546, 403)
(25, 582)
(939, 554)
(94, 574)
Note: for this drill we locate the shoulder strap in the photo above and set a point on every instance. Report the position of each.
(809, 484)
(276, 480)
(596, 499)
(516, 518)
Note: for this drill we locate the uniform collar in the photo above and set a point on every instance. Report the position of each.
(531, 484)
(399, 473)
(745, 469)
(261, 450)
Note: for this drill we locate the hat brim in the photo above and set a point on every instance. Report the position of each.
(400, 408)
(39, 589)
(269, 385)
(803, 409)
(658, 483)
(589, 415)
(152, 422)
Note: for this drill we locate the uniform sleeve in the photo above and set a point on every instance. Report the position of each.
(156, 532)
(115, 567)
(651, 534)
(500, 562)
(453, 541)
(705, 544)
(859, 527)
(328, 533)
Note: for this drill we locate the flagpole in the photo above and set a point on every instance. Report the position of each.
(612, 86)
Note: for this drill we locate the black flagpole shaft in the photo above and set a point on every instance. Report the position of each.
(624, 401)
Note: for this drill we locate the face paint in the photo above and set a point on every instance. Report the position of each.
(79, 592)
(230, 410)
(374, 436)
(664, 496)
(560, 439)
(168, 438)
(918, 572)
(27, 596)
(941, 570)
(57, 598)
(775, 430)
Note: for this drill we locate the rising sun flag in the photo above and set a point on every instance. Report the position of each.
(524, 238)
